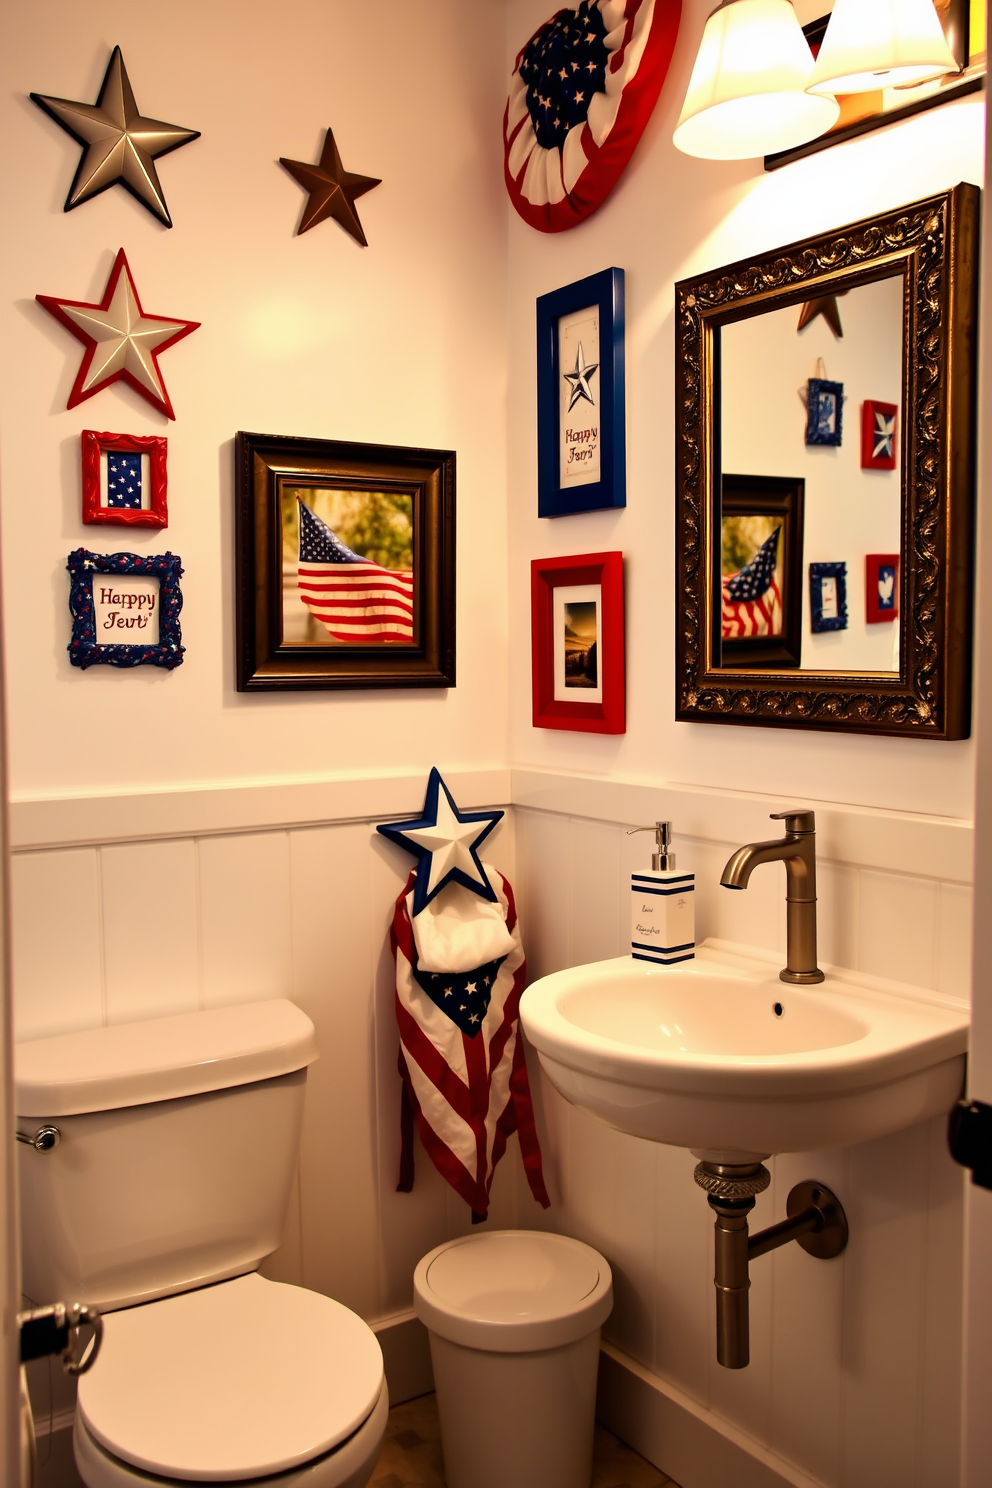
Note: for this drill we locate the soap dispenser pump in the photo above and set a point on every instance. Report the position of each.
(663, 918)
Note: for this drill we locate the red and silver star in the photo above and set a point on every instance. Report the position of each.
(122, 343)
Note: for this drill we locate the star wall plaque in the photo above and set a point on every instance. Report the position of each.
(122, 342)
(332, 190)
(827, 306)
(445, 842)
(119, 143)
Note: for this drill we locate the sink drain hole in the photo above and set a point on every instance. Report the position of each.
(778, 1010)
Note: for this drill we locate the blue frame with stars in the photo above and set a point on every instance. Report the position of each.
(605, 291)
(84, 648)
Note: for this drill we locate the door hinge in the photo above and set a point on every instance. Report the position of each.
(969, 1136)
(54, 1330)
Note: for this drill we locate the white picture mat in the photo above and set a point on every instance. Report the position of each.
(579, 433)
(120, 598)
(146, 482)
(566, 594)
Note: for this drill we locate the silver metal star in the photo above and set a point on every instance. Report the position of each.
(579, 379)
(120, 144)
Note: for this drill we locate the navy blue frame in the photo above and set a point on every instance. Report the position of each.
(818, 572)
(84, 648)
(605, 290)
(818, 386)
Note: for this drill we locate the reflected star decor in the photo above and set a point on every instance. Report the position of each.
(122, 343)
(332, 190)
(578, 381)
(826, 306)
(119, 143)
(445, 841)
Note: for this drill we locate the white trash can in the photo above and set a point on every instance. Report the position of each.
(514, 1319)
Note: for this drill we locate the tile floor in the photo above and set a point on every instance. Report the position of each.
(411, 1454)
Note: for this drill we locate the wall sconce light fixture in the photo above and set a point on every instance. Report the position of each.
(872, 44)
(747, 94)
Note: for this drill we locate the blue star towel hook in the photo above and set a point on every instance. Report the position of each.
(445, 842)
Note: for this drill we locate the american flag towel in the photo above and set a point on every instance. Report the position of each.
(752, 600)
(581, 92)
(462, 1063)
(353, 597)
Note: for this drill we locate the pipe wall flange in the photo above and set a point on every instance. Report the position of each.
(733, 1189)
(831, 1238)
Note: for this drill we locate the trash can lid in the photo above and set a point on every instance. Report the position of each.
(513, 1291)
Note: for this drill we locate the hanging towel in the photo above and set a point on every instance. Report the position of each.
(461, 1057)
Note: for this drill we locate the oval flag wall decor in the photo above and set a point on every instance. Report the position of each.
(581, 92)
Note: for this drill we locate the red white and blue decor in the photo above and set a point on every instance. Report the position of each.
(581, 92)
(827, 597)
(124, 479)
(581, 410)
(445, 842)
(122, 343)
(878, 435)
(881, 588)
(125, 609)
(824, 411)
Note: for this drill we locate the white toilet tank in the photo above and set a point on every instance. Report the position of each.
(178, 1144)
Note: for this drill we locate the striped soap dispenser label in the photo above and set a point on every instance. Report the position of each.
(662, 906)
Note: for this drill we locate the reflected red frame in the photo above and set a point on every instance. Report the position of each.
(547, 575)
(94, 446)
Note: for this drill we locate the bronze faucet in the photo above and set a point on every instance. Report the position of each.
(797, 850)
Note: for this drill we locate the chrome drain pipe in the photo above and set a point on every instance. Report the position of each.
(815, 1219)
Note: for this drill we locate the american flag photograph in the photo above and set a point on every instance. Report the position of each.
(751, 586)
(347, 570)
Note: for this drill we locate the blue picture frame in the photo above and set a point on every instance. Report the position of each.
(85, 649)
(605, 441)
(827, 613)
(824, 412)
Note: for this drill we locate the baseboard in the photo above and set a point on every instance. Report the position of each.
(406, 1355)
(691, 1444)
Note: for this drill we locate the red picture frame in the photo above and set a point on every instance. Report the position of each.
(95, 448)
(577, 643)
(875, 434)
(881, 597)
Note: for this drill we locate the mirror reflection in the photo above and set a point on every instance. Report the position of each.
(808, 545)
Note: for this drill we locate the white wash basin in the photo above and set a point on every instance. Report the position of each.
(719, 1054)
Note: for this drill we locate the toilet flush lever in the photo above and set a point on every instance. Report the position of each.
(55, 1330)
(45, 1139)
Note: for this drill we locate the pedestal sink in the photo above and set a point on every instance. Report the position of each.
(719, 1055)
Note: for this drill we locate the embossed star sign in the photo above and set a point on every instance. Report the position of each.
(445, 842)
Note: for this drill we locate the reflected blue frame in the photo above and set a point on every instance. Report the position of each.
(819, 389)
(817, 573)
(605, 290)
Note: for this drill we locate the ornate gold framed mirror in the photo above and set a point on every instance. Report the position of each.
(825, 477)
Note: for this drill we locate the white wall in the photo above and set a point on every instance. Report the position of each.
(402, 342)
(669, 218)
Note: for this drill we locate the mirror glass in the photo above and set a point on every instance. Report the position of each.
(810, 479)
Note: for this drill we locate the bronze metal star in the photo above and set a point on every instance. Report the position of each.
(826, 306)
(332, 190)
(119, 143)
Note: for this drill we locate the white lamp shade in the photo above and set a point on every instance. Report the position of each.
(747, 93)
(873, 44)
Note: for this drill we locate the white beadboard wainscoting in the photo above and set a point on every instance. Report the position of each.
(135, 905)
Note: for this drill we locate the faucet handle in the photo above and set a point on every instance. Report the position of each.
(796, 820)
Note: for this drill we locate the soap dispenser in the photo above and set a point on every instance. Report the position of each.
(663, 916)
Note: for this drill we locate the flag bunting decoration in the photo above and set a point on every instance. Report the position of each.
(581, 92)
(461, 1061)
(355, 599)
(752, 600)
(445, 842)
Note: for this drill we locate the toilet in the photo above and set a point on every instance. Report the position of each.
(514, 1318)
(168, 1185)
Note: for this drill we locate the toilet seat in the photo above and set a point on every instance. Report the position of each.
(244, 1379)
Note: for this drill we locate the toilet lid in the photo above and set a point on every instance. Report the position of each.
(513, 1290)
(239, 1380)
